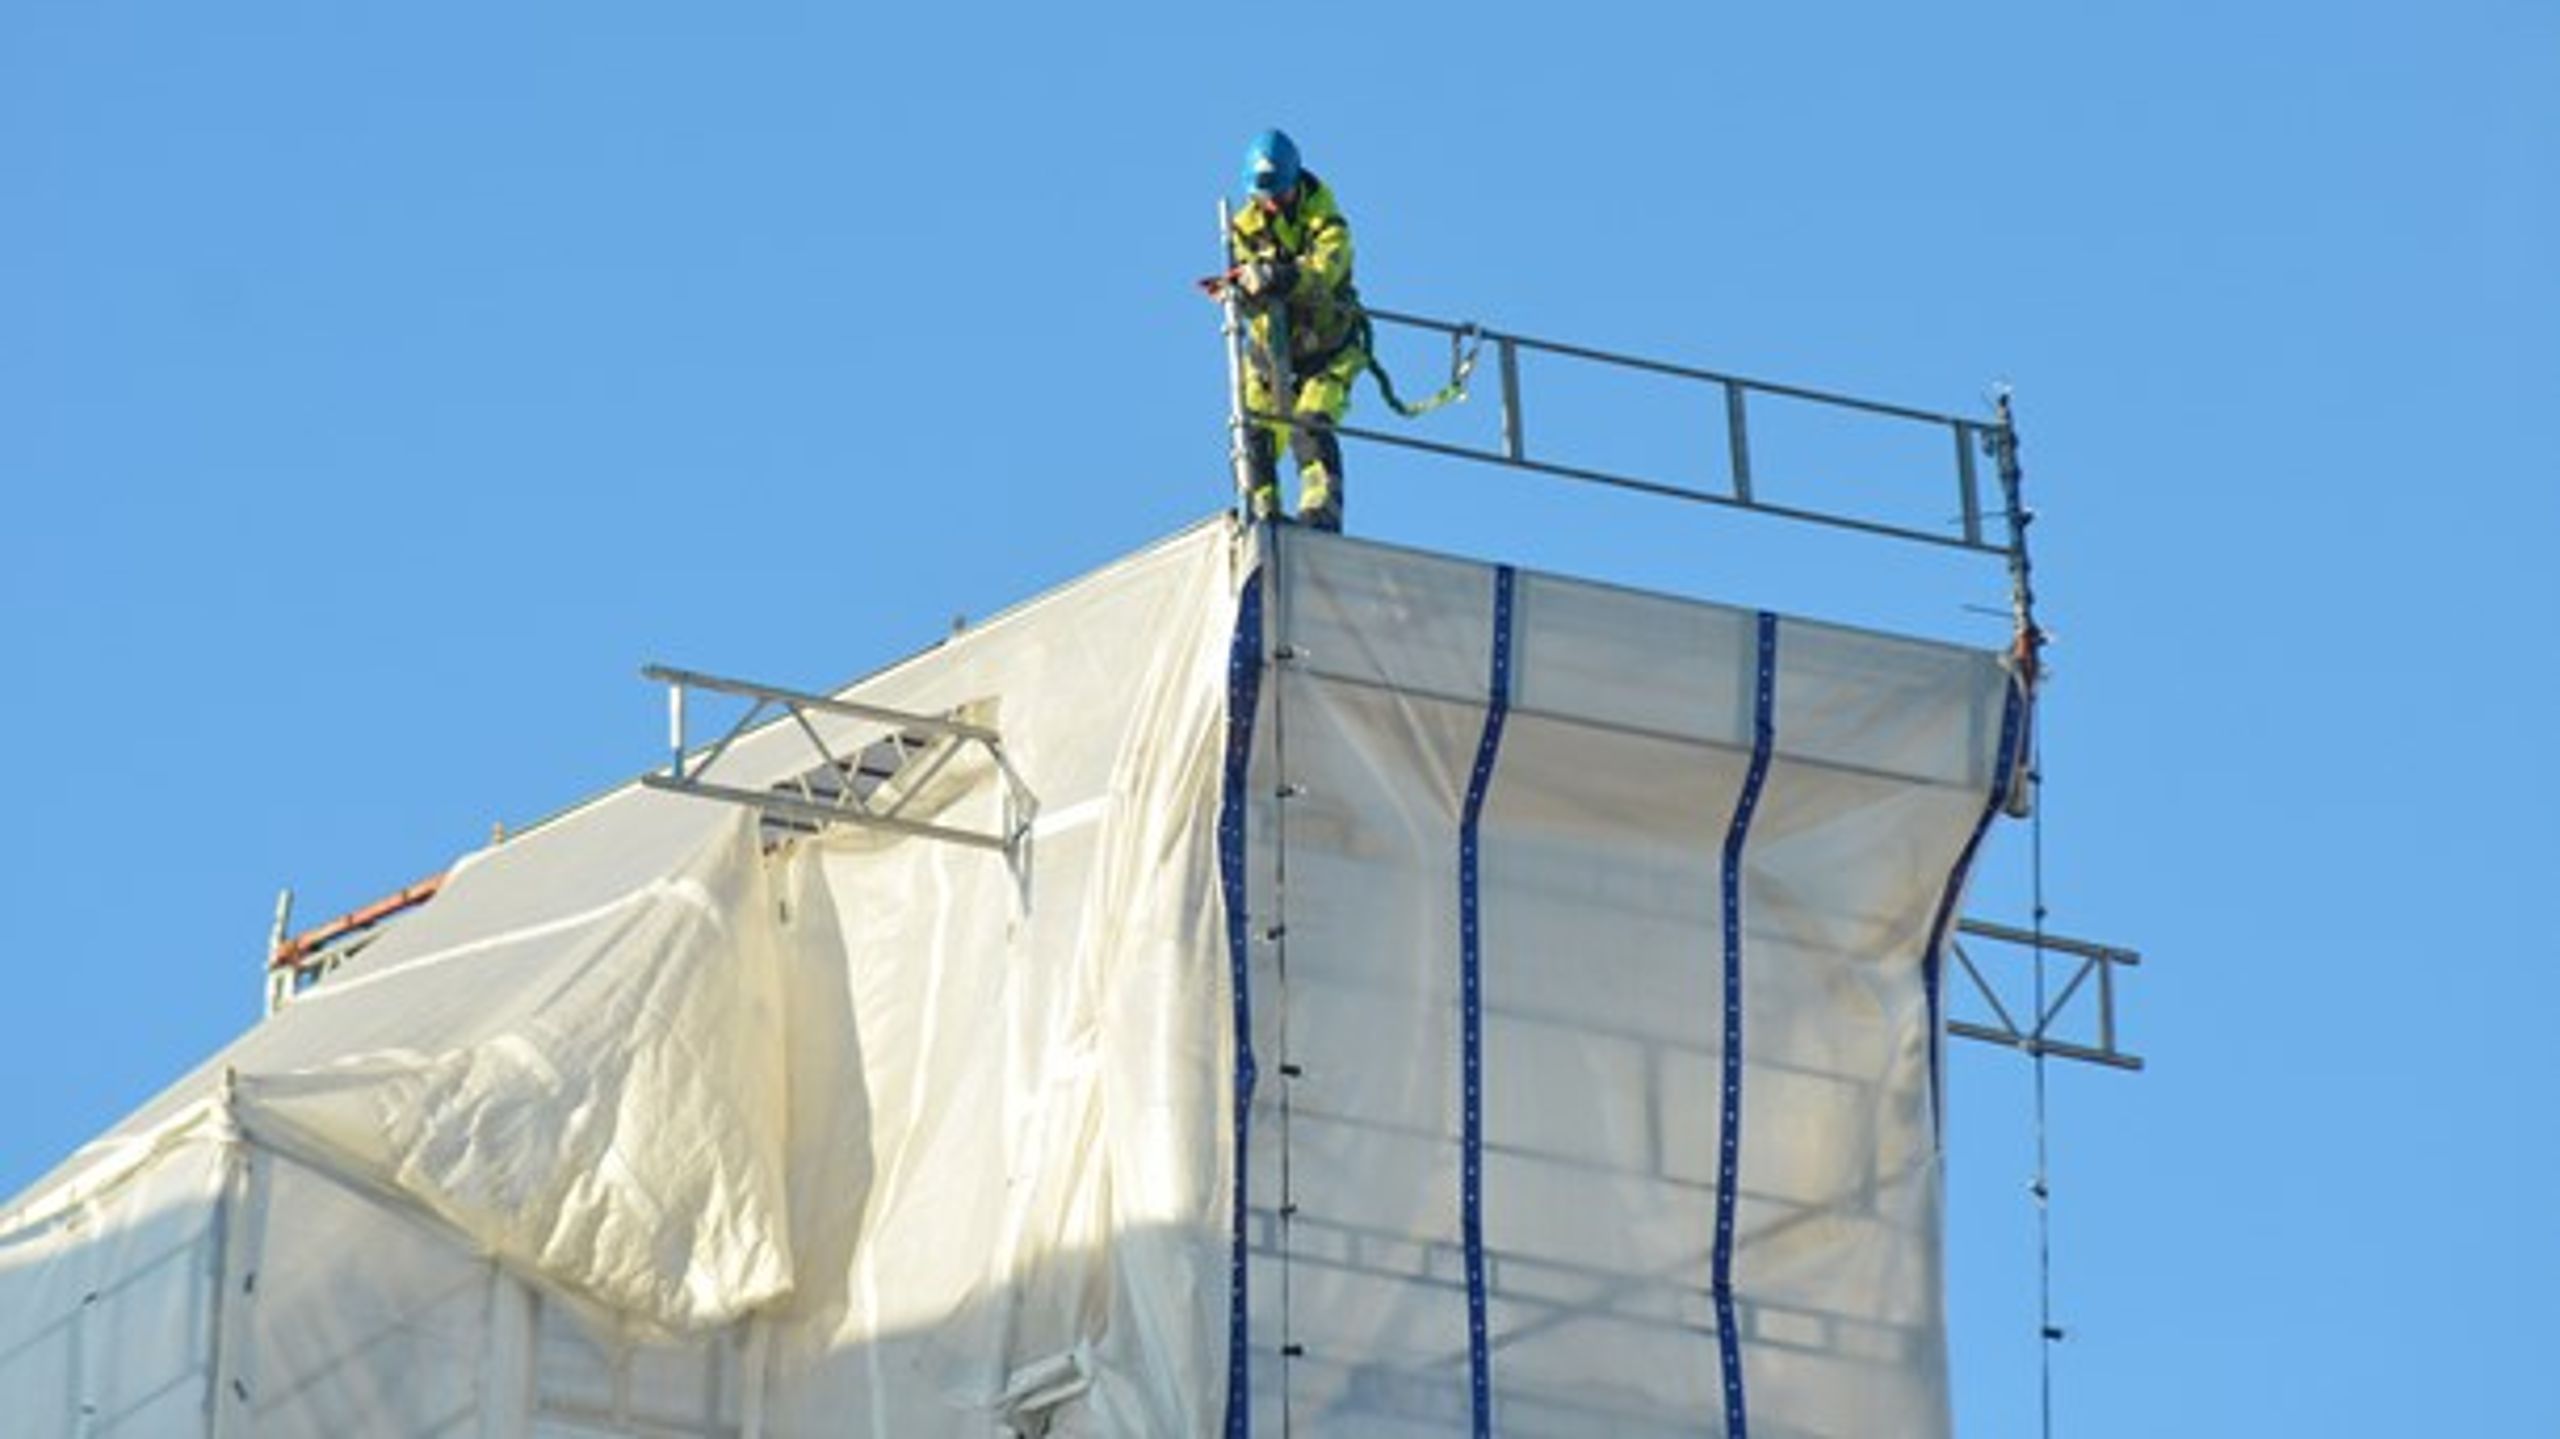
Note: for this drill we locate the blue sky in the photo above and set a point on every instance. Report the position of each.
(384, 388)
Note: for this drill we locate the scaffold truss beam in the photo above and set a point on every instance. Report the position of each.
(2091, 982)
(868, 782)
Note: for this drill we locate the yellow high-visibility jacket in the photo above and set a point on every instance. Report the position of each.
(1324, 308)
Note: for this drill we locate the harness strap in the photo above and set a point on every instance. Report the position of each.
(1463, 345)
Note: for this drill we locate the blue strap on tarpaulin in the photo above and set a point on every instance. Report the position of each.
(1244, 694)
(1471, 1011)
(2013, 710)
(1764, 731)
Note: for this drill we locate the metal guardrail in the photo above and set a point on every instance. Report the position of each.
(1968, 437)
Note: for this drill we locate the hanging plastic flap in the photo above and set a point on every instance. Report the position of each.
(616, 1128)
(1039, 1054)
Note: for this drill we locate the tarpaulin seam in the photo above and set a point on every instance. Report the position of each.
(1471, 1009)
(1764, 710)
(2012, 715)
(1244, 693)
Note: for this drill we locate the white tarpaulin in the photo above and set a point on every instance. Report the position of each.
(1426, 999)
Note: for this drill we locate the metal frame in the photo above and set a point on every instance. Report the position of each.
(240, 1252)
(1967, 435)
(293, 962)
(796, 800)
(1996, 438)
(2038, 1037)
(1231, 337)
(1233, 328)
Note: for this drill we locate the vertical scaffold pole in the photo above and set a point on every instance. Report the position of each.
(2003, 444)
(2027, 645)
(675, 728)
(1238, 462)
(2048, 1333)
(279, 977)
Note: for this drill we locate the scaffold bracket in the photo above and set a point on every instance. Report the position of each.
(866, 776)
(2084, 1005)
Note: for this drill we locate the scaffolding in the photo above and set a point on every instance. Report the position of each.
(2077, 1022)
(875, 764)
(1987, 520)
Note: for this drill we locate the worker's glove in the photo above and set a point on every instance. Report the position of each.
(1267, 279)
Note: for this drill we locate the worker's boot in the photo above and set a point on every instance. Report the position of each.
(1320, 498)
(1319, 455)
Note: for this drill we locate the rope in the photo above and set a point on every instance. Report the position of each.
(2047, 1333)
(1463, 345)
(2027, 654)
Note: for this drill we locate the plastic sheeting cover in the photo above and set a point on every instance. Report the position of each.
(647, 1125)
(1601, 1010)
(620, 1133)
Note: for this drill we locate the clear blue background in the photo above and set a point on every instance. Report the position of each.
(382, 389)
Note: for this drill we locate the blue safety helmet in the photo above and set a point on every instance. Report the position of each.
(1270, 164)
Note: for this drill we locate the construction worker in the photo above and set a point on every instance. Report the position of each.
(1291, 251)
